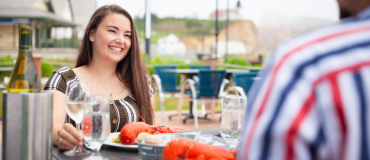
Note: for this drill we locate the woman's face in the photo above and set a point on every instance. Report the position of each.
(112, 39)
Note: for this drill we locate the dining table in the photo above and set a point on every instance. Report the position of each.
(116, 153)
(189, 73)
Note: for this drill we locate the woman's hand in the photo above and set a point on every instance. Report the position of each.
(68, 137)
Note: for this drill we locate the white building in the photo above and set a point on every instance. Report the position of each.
(171, 45)
(233, 47)
(222, 15)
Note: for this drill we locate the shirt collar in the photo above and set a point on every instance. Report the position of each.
(365, 14)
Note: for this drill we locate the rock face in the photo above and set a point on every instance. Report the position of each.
(244, 31)
(247, 32)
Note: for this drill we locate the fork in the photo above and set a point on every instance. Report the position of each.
(86, 144)
(212, 141)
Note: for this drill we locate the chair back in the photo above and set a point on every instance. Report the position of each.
(196, 78)
(199, 67)
(244, 80)
(169, 80)
(254, 70)
(210, 82)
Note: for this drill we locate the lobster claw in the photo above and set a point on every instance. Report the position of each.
(154, 129)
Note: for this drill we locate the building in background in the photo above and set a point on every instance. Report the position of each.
(82, 12)
(222, 15)
(243, 40)
(171, 45)
(233, 48)
(38, 13)
(58, 25)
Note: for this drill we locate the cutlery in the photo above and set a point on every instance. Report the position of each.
(212, 141)
(86, 144)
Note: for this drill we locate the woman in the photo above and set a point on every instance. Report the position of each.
(110, 61)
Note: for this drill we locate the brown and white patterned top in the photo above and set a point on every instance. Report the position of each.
(122, 110)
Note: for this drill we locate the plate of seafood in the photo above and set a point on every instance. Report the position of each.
(130, 133)
(161, 146)
(113, 140)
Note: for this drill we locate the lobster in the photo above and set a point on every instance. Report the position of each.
(184, 148)
(131, 130)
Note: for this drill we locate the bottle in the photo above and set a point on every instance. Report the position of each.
(24, 76)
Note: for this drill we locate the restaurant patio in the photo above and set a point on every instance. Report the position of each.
(206, 55)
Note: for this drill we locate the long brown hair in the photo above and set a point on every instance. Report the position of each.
(130, 70)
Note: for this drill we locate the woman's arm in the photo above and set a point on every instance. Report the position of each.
(64, 135)
(152, 102)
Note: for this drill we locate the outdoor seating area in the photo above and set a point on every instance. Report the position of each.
(196, 85)
(199, 84)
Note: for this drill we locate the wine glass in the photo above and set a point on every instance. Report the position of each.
(74, 101)
(233, 113)
(96, 123)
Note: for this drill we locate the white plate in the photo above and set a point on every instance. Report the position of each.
(109, 142)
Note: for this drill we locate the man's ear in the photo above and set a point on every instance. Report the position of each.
(92, 35)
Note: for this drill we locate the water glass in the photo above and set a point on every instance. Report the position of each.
(96, 123)
(74, 99)
(233, 113)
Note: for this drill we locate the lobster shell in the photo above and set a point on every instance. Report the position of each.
(131, 130)
(184, 148)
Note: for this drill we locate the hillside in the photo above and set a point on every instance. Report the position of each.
(244, 31)
(179, 26)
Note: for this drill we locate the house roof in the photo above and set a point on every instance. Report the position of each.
(222, 12)
(26, 11)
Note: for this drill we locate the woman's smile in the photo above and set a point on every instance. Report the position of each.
(116, 49)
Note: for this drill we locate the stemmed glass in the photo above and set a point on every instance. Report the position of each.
(233, 113)
(96, 123)
(74, 102)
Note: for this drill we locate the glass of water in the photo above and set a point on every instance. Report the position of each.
(74, 100)
(96, 123)
(233, 113)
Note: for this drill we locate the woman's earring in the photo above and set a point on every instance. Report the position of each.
(91, 38)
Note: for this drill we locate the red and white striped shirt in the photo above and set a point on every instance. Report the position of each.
(313, 101)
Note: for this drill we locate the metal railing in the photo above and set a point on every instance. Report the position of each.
(59, 63)
(234, 66)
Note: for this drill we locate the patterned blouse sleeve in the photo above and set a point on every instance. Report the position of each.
(56, 81)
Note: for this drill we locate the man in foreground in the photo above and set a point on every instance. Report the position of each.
(313, 101)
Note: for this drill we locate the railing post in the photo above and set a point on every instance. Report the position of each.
(212, 62)
(37, 60)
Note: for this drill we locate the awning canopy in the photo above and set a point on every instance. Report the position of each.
(20, 15)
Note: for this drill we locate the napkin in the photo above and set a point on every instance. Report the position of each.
(197, 135)
(205, 140)
(219, 144)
